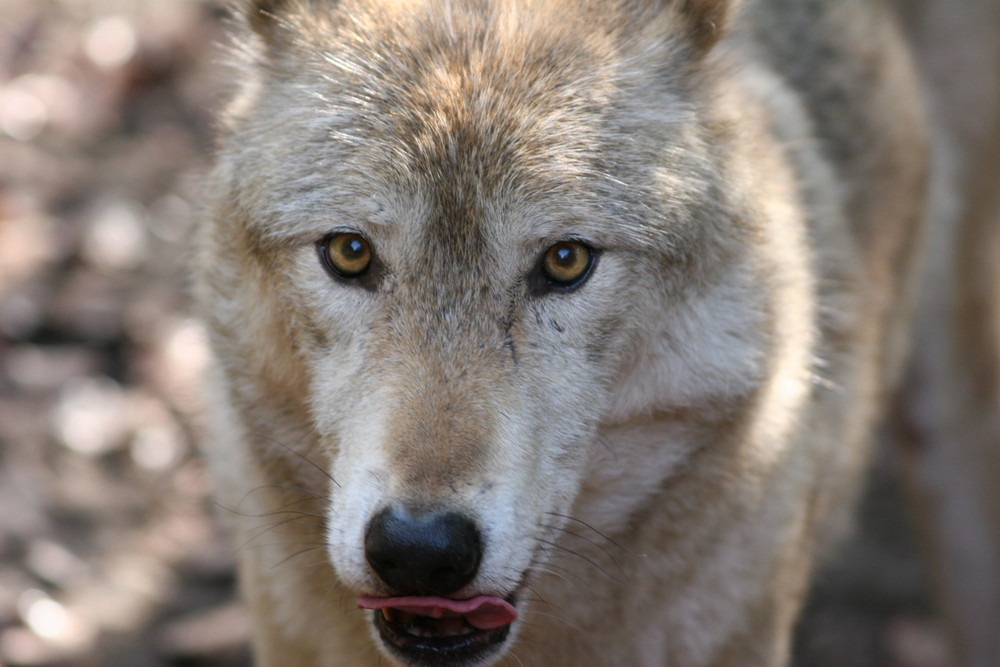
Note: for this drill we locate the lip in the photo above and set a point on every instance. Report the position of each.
(452, 634)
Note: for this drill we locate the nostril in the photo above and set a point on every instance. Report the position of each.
(384, 566)
(423, 553)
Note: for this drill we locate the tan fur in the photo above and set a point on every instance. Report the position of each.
(655, 459)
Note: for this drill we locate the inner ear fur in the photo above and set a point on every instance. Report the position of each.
(262, 14)
(265, 16)
(706, 20)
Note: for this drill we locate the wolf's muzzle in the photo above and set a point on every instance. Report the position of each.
(423, 553)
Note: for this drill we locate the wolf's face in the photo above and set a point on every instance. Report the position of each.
(482, 239)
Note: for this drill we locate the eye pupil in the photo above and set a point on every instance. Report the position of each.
(564, 256)
(347, 255)
(567, 264)
(353, 248)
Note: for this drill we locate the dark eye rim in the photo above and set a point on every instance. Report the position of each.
(367, 277)
(541, 283)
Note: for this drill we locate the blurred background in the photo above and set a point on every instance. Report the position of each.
(108, 551)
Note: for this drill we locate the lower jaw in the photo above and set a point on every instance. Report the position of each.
(467, 650)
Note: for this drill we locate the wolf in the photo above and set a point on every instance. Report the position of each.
(556, 332)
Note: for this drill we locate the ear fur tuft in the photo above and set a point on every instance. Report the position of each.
(708, 20)
(262, 14)
(267, 17)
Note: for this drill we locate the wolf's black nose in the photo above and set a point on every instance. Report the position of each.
(423, 553)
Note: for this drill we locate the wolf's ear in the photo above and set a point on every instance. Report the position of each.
(268, 17)
(263, 14)
(707, 20)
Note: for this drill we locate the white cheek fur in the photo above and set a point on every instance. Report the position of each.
(706, 348)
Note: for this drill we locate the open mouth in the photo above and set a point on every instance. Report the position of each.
(440, 631)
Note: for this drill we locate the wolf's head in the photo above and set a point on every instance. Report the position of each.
(467, 253)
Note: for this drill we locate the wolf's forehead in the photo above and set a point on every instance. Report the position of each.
(466, 94)
(457, 106)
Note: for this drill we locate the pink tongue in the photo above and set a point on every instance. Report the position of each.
(484, 612)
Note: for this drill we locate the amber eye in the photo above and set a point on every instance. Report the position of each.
(348, 255)
(567, 263)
